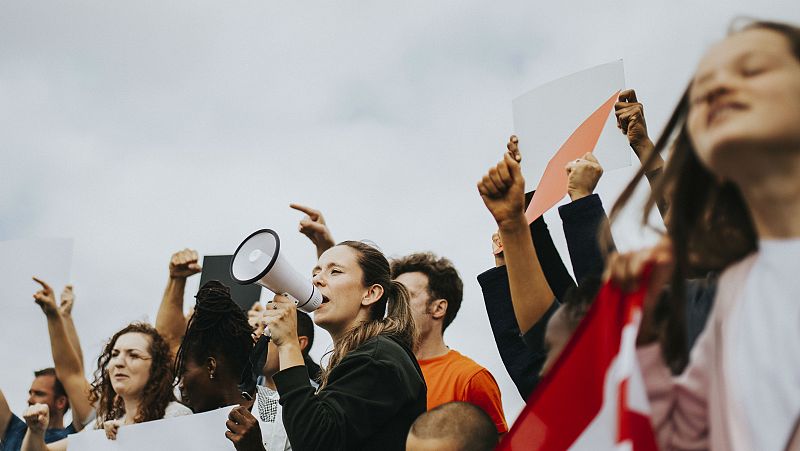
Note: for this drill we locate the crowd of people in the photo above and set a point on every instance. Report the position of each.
(714, 345)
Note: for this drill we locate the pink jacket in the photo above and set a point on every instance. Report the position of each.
(698, 409)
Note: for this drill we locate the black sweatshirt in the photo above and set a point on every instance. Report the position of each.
(372, 397)
(523, 353)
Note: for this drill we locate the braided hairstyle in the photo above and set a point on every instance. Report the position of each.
(217, 328)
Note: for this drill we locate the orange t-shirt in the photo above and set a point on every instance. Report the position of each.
(454, 377)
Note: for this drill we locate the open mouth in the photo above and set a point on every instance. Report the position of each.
(722, 110)
(325, 299)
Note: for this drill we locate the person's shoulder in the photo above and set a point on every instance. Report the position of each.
(176, 409)
(463, 364)
(382, 350)
(379, 346)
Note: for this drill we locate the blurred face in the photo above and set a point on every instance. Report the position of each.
(556, 337)
(497, 245)
(744, 99)
(129, 367)
(339, 278)
(417, 285)
(42, 391)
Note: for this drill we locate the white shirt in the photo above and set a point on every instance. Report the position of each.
(268, 411)
(765, 345)
(173, 409)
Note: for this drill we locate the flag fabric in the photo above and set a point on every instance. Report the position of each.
(593, 398)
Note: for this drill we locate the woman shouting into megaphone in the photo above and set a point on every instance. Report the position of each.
(372, 388)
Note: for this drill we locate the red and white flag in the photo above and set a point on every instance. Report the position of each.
(593, 398)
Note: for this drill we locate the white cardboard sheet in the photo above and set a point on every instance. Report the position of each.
(546, 116)
(187, 433)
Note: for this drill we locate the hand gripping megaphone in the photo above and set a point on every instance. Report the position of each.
(258, 260)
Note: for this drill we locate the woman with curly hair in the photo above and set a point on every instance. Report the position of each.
(132, 384)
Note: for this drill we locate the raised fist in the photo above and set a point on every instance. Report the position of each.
(582, 176)
(184, 264)
(503, 187)
(37, 418)
(67, 301)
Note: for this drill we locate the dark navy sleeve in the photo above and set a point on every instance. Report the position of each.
(582, 220)
(15, 432)
(522, 362)
(699, 300)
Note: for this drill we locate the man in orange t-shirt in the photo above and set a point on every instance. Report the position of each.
(436, 291)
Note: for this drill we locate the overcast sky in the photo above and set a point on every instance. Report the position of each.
(140, 128)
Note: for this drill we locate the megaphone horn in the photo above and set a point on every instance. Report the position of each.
(258, 260)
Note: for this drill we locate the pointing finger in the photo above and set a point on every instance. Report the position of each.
(313, 214)
(44, 285)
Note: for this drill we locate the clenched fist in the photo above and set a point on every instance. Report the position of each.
(37, 418)
(184, 264)
(582, 176)
(503, 188)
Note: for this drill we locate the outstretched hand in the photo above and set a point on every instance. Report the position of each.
(313, 226)
(183, 264)
(46, 298)
(503, 188)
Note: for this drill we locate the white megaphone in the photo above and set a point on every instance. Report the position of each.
(258, 260)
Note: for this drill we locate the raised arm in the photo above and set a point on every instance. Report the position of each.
(5, 415)
(584, 217)
(630, 119)
(503, 191)
(522, 355)
(65, 309)
(170, 321)
(313, 226)
(69, 369)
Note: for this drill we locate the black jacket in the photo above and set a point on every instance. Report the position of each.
(372, 397)
(523, 354)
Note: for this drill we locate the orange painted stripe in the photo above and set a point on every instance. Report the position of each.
(553, 185)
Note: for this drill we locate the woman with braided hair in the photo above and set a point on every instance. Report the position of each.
(214, 358)
(372, 389)
(132, 384)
